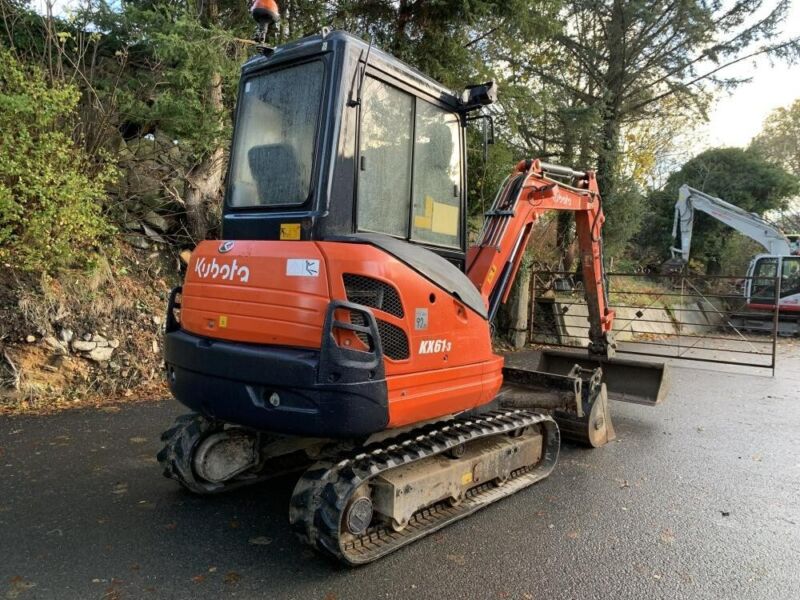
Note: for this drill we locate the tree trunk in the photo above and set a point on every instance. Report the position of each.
(204, 180)
(608, 156)
(565, 236)
(404, 11)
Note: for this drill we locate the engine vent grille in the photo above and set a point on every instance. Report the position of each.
(394, 340)
(373, 293)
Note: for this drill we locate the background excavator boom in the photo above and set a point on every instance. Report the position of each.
(752, 225)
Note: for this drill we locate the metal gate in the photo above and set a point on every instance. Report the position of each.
(678, 316)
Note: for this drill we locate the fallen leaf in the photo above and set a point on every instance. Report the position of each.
(232, 577)
(199, 578)
(573, 535)
(667, 536)
(260, 541)
(459, 559)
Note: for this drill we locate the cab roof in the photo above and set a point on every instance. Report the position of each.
(343, 41)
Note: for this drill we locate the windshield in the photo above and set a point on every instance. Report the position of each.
(273, 150)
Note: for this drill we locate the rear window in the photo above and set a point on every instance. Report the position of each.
(273, 154)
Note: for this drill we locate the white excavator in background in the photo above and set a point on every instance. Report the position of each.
(779, 265)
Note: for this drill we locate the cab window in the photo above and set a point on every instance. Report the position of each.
(384, 183)
(790, 276)
(273, 152)
(437, 177)
(764, 279)
(409, 167)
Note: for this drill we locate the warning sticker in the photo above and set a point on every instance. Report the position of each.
(302, 267)
(290, 231)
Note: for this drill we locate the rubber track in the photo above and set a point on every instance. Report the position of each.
(177, 455)
(317, 505)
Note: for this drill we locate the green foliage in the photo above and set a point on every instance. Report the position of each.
(779, 140)
(619, 68)
(741, 177)
(174, 63)
(50, 194)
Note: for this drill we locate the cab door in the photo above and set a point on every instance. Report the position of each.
(774, 277)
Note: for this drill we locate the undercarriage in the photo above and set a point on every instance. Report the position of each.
(357, 500)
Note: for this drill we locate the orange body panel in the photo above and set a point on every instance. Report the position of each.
(451, 367)
(258, 303)
(459, 373)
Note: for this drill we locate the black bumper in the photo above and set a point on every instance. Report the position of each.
(279, 389)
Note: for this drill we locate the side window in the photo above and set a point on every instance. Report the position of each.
(437, 177)
(790, 276)
(384, 184)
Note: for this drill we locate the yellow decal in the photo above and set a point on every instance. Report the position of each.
(466, 478)
(439, 217)
(290, 231)
(424, 222)
(223, 320)
(490, 276)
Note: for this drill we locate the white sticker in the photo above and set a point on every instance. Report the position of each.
(247, 87)
(302, 267)
(421, 319)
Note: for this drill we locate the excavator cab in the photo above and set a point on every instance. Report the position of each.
(773, 277)
(335, 137)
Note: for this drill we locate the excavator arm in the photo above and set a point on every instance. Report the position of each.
(752, 225)
(528, 193)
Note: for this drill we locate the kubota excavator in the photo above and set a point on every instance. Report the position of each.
(343, 327)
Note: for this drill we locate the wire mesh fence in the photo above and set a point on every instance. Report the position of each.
(705, 318)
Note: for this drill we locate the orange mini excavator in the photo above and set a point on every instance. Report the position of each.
(343, 327)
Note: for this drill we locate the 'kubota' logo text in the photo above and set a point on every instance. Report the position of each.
(222, 270)
(434, 346)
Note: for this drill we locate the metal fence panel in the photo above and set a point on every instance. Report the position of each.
(678, 316)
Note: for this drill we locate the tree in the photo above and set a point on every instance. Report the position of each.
(51, 196)
(615, 63)
(741, 177)
(779, 140)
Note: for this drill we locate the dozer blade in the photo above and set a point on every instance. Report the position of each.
(626, 380)
(578, 401)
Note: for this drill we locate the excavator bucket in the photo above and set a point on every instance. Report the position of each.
(626, 380)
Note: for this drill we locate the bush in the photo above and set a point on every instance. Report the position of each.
(51, 213)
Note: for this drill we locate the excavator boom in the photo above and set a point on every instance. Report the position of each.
(754, 226)
(528, 193)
